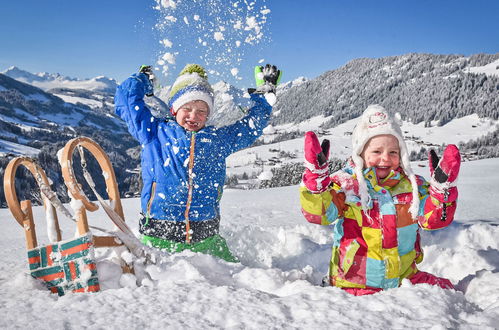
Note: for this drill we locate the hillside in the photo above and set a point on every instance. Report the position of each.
(456, 93)
(422, 87)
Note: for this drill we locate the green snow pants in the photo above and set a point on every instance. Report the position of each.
(214, 245)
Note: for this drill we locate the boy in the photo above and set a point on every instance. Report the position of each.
(183, 161)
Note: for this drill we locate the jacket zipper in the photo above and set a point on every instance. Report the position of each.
(191, 187)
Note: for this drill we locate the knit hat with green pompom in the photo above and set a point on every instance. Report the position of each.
(191, 85)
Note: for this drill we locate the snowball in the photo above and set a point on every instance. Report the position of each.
(234, 71)
(166, 43)
(238, 25)
(167, 4)
(218, 36)
(168, 57)
(271, 98)
(251, 124)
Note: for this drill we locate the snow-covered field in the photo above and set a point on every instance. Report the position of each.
(276, 284)
(417, 136)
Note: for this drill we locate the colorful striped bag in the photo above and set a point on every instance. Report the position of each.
(66, 266)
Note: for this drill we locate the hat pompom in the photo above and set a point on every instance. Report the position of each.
(194, 68)
(191, 85)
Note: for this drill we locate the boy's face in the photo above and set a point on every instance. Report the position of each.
(193, 115)
(383, 153)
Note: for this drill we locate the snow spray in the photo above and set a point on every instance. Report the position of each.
(214, 33)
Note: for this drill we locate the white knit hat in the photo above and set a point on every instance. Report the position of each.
(191, 85)
(376, 121)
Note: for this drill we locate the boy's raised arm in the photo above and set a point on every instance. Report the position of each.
(130, 106)
(244, 132)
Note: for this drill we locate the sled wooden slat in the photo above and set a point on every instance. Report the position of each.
(22, 212)
(29, 225)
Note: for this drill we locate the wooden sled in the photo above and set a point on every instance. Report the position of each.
(62, 265)
(22, 211)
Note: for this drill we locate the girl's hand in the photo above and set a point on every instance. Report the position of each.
(444, 172)
(316, 177)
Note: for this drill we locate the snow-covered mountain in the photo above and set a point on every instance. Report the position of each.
(48, 81)
(441, 98)
(491, 69)
(37, 123)
(421, 87)
(32, 116)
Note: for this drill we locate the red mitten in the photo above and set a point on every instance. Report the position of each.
(316, 177)
(444, 172)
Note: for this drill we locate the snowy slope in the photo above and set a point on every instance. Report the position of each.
(275, 286)
(491, 69)
(417, 136)
(47, 81)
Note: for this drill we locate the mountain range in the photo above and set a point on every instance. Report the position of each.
(40, 112)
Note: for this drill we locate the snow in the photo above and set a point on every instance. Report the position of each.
(218, 36)
(37, 97)
(7, 147)
(75, 99)
(491, 69)
(220, 39)
(166, 43)
(283, 258)
(417, 136)
(48, 81)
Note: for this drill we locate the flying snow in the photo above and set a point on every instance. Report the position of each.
(217, 34)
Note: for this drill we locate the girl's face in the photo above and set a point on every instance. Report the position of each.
(383, 153)
(193, 115)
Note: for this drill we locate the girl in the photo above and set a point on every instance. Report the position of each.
(377, 205)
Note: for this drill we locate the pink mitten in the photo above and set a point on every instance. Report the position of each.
(316, 177)
(444, 172)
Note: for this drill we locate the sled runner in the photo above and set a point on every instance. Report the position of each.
(62, 265)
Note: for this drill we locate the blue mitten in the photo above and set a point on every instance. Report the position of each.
(146, 76)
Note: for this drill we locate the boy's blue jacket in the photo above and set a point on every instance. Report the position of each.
(166, 149)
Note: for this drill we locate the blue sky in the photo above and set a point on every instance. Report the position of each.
(90, 38)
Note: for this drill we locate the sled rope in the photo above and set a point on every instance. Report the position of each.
(125, 234)
(51, 196)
